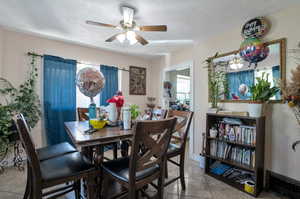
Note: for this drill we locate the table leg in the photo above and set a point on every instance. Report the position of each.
(99, 156)
(124, 148)
(87, 152)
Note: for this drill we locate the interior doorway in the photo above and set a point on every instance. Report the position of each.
(180, 93)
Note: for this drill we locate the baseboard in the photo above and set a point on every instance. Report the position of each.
(283, 185)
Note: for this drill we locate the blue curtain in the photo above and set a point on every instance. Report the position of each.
(111, 83)
(59, 97)
(276, 78)
(235, 79)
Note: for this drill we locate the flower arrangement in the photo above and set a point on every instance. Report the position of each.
(291, 94)
(291, 91)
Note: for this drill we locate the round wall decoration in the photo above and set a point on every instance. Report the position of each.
(257, 27)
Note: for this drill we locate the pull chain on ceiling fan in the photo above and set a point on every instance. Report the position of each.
(129, 28)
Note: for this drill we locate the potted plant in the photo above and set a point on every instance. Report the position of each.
(261, 92)
(18, 100)
(134, 111)
(217, 85)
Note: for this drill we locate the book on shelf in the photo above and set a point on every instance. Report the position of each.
(237, 133)
(240, 155)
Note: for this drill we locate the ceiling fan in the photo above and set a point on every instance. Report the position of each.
(129, 28)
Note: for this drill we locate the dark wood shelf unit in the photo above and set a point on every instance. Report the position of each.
(259, 148)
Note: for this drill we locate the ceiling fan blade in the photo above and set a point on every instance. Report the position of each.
(113, 37)
(100, 24)
(153, 28)
(141, 40)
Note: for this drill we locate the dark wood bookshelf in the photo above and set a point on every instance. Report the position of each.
(258, 169)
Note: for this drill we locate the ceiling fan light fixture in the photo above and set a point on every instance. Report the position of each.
(131, 37)
(128, 16)
(132, 41)
(121, 37)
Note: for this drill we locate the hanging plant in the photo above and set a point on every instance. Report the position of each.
(23, 99)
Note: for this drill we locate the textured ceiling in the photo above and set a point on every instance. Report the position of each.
(188, 21)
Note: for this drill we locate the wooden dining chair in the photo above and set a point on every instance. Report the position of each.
(144, 166)
(82, 116)
(67, 168)
(177, 149)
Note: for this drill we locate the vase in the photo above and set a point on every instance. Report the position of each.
(255, 109)
(126, 118)
(112, 112)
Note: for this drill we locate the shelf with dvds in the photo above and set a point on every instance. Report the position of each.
(234, 151)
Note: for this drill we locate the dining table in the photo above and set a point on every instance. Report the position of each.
(92, 144)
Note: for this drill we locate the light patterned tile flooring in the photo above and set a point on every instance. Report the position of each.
(198, 185)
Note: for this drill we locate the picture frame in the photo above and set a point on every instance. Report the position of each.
(137, 80)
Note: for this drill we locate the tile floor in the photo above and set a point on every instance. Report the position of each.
(198, 185)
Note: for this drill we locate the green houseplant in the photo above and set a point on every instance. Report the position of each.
(134, 110)
(217, 85)
(261, 92)
(23, 99)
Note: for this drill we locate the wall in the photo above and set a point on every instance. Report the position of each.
(1, 51)
(14, 62)
(282, 128)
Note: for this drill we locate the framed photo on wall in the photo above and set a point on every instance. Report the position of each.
(137, 80)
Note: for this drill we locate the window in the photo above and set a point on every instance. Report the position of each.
(183, 91)
(82, 100)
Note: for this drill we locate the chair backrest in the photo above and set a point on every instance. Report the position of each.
(155, 137)
(28, 144)
(184, 119)
(82, 113)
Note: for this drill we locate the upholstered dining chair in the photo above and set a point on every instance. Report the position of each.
(49, 171)
(82, 116)
(177, 149)
(144, 166)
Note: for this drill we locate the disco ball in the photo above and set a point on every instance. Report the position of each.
(253, 50)
(90, 81)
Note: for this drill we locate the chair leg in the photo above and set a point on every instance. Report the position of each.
(161, 181)
(181, 172)
(115, 150)
(91, 185)
(132, 194)
(36, 191)
(166, 169)
(77, 187)
(160, 187)
(28, 183)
